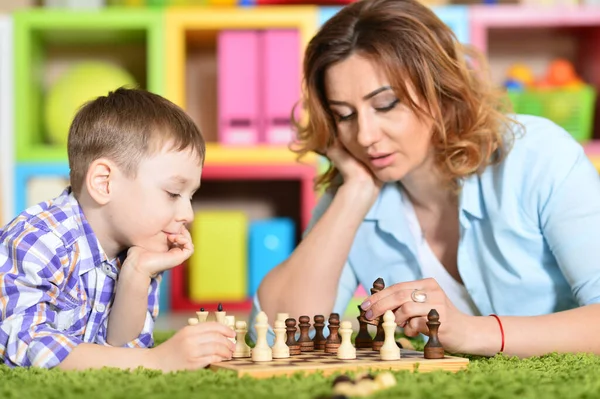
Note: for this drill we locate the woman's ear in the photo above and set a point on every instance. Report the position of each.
(98, 180)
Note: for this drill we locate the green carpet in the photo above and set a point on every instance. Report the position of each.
(553, 376)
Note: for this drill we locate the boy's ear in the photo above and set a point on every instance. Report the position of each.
(99, 180)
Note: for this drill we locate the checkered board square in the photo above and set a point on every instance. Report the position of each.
(311, 362)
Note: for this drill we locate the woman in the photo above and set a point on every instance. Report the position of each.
(436, 190)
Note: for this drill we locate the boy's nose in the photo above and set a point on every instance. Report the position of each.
(185, 213)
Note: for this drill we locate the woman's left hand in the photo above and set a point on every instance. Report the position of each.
(411, 314)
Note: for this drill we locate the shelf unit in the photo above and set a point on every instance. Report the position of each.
(6, 119)
(535, 35)
(173, 51)
(265, 176)
(47, 41)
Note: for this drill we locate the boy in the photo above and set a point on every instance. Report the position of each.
(79, 274)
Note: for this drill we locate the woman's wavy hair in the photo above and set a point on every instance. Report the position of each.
(414, 47)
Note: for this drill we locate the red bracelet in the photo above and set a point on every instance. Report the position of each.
(501, 331)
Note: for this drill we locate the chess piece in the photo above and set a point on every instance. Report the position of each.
(230, 322)
(220, 314)
(279, 348)
(433, 348)
(262, 351)
(389, 350)
(378, 285)
(346, 350)
(192, 321)
(291, 342)
(202, 315)
(241, 347)
(319, 339)
(282, 316)
(333, 340)
(363, 339)
(306, 344)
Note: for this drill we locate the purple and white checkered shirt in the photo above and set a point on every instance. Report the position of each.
(57, 286)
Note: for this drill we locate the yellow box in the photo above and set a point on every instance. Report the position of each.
(218, 269)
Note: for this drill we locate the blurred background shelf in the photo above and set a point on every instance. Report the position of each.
(235, 67)
(6, 120)
(49, 42)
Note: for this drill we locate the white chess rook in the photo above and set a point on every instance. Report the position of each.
(262, 351)
(346, 350)
(389, 350)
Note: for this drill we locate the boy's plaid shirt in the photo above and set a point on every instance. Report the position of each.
(57, 286)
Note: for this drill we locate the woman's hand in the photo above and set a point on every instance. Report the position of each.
(354, 172)
(412, 316)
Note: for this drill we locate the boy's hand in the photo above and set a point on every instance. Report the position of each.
(151, 263)
(194, 347)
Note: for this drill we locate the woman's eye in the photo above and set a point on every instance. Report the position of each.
(388, 107)
(342, 118)
(173, 195)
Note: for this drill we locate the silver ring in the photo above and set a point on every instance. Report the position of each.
(418, 296)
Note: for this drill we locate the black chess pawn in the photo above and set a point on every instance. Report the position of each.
(363, 339)
(433, 348)
(291, 342)
(306, 344)
(333, 340)
(319, 339)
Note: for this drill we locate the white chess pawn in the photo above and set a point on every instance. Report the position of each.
(346, 350)
(262, 351)
(230, 322)
(192, 321)
(389, 350)
(279, 348)
(241, 347)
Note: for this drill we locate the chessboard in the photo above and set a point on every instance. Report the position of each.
(328, 363)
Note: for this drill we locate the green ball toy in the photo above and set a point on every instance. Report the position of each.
(83, 82)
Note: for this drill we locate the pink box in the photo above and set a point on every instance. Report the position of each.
(281, 83)
(238, 87)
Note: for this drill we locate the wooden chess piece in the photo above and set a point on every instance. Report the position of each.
(262, 351)
(282, 316)
(319, 339)
(306, 344)
(202, 315)
(433, 348)
(291, 342)
(279, 348)
(192, 321)
(241, 347)
(363, 339)
(230, 322)
(220, 314)
(389, 350)
(378, 285)
(333, 340)
(346, 351)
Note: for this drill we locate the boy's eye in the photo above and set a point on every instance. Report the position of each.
(173, 195)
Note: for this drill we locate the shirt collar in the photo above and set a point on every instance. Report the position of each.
(389, 213)
(97, 252)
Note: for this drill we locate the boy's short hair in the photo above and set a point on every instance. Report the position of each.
(125, 126)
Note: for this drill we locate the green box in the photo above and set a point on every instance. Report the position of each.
(47, 39)
(570, 108)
